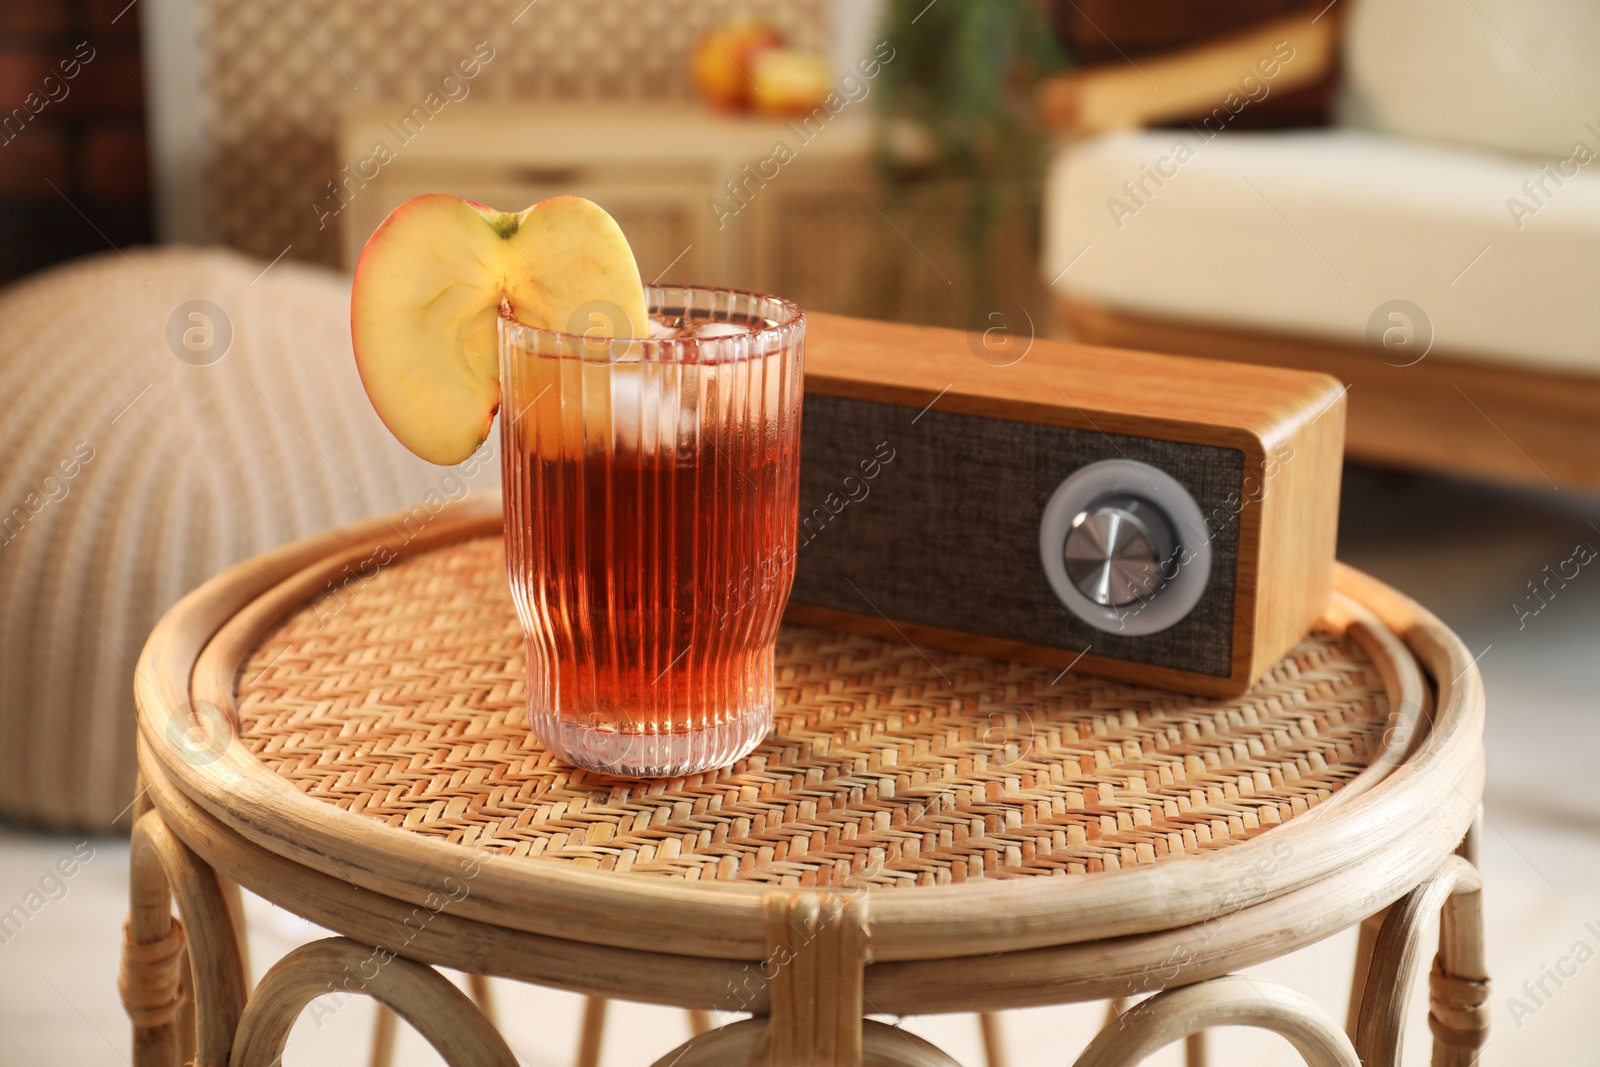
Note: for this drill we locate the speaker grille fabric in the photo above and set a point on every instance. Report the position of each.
(178, 471)
(946, 532)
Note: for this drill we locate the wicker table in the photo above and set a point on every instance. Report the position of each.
(339, 727)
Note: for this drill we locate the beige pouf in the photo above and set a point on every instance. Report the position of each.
(135, 463)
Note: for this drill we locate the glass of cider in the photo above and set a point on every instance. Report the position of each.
(651, 494)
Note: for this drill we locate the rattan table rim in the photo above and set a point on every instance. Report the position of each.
(926, 984)
(1422, 806)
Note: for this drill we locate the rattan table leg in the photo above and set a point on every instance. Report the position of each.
(994, 1040)
(478, 989)
(592, 1034)
(166, 961)
(234, 896)
(1366, 939)
(384, 1025)
(1459, 1012)
(427, 1000)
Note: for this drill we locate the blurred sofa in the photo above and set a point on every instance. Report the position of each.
(1437, 248)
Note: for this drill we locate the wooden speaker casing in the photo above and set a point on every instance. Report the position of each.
(936, 551)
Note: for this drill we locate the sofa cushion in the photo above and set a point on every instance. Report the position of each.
(1311, 232)
(1511, 75)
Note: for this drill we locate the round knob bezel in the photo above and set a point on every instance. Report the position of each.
(1191, 567)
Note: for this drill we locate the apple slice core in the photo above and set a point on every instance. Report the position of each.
(428, 290)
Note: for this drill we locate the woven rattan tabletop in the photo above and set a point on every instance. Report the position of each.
(353, 706)
(401, 698)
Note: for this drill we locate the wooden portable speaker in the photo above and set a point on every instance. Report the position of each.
(1148, 518)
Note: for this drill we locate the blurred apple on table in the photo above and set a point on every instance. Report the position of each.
(790, 81)
(724, 59)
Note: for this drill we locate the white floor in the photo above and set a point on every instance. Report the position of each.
(1467, 552)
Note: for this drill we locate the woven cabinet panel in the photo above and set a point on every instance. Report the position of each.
(659, 234)
(279, 74)
(822, 241)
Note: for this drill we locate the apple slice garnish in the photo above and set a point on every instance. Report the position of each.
(428, 291)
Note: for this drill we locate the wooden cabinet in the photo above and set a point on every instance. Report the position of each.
(780, 206)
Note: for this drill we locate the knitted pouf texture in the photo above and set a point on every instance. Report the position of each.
(144, 449)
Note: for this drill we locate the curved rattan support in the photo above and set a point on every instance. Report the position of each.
(164, 960)
(1459, 1009)
(735, 1045)
(1232, 1001)
(427, 1000)
(385, 1022)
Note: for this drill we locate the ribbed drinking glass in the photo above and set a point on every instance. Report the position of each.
(651, 495)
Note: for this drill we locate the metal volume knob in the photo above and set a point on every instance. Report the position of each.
(1117, 548)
